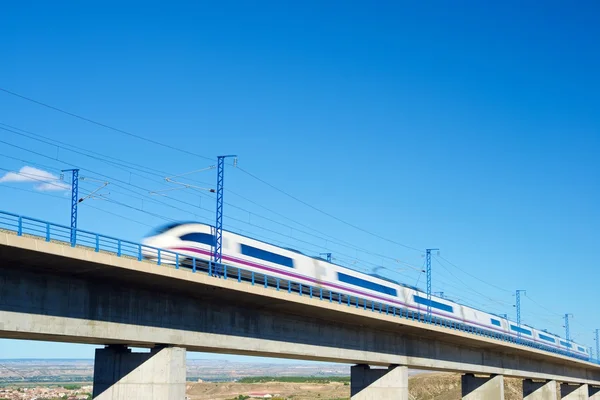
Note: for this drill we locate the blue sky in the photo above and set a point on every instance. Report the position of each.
(466, 126)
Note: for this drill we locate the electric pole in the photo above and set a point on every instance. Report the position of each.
(428, 252)
(597, 344)
(518, 294)
(74, 201)
(328, 255)
(218, 253)
(567, 325)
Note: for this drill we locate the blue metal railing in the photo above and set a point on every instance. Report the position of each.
(122, 248)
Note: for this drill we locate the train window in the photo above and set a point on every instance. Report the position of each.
(520, 330)
(566, 344)
(547, 338)
(198, 237)
(581, 349)
(266, 256)
(352, 280)
(434, 304)
(495, 322)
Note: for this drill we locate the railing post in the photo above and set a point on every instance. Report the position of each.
(118, 248)
(300, 289)
(97, 243)
(310, 291)
(277, 284)
(177, 261)
(225, 271)
(239, 274)
(210, 268)
(47, 232)
(266, 278)
(139, 252)
(321, 293)
(158, 257)
(194, 264)
(20, 227)
(252, 277)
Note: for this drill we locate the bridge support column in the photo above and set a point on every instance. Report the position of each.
(489, 388)
(120, 374)
(573, 392)
(544, 390)
(378, 384)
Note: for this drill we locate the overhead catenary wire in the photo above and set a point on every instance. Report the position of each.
(327, 213)
(118, 164)
(170, 205)
(105, 125)
(183, 202)
(122, 164)
(475, 277)
(437, 258)
(201, 156)
(336, 241)
(82, 204)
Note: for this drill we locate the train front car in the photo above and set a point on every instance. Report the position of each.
(190, 240)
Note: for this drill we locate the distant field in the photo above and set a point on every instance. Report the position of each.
(295, 379)
(66, 384)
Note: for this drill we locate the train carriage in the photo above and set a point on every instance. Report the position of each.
(296, 271)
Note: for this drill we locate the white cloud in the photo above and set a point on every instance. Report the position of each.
(45, 181)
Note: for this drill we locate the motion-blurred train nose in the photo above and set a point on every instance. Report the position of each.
(149, 249)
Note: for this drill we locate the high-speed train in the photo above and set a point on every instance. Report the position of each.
(195, 241)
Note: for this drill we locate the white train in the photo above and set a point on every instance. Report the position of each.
(296, 271)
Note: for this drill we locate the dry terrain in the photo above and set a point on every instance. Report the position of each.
(421, 387)
(285, 390)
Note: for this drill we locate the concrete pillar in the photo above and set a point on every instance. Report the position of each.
(475, 388)
(573, 392)
(120, 374)
(378, 384)
(594, 393)
(544, 390)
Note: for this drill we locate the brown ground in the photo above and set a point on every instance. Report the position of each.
(421, 387)
(299, 391)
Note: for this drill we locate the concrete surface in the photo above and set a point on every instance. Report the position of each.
(482, 388)
(120, 374)
(544, 390)
(573, 392)
(378, 383)
(50, 291)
